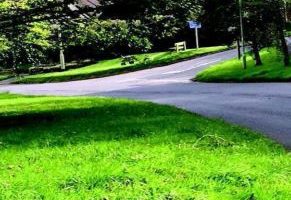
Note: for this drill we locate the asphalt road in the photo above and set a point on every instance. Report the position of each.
(265, 107)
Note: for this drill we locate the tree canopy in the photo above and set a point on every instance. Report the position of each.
(109, 28)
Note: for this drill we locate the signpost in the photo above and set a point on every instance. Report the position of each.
(195, 25)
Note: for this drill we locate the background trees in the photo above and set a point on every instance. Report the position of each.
(165, 21)
(264, 24)
(111, 37)
(26, 29)
(130, 26)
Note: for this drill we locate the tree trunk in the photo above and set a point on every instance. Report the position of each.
(256, 52)
(258, 58)
(280, 23)
(284, 47)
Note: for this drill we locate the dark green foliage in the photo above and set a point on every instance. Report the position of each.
(218, 17)
(136, 26)
(263, 21)
(26, 29)
(127, 26)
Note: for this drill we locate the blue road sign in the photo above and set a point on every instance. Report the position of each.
(194, 24)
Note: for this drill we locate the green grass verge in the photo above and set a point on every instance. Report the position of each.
(272, 70)
(111, 67)
(4, 77)
(288, 33)
(100, 148)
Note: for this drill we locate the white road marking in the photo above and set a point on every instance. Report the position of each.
(162, 81)
(128, 80)
(173, 72)
(198, 66)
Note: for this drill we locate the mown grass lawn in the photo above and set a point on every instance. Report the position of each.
(100, 148)
(111, 67)
(272, 70)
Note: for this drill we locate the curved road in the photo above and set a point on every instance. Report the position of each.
(265, 107)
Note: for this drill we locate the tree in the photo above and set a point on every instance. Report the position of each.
(220, 21)
(278, 16)
(263, 21)
(164, 20)
(25, 27)
(113, 37)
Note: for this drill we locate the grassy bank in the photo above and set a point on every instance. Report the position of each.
(111, 67)
(4, 76)
(273, 70)
(97, 148)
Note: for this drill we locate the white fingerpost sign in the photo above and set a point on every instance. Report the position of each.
(195, 25)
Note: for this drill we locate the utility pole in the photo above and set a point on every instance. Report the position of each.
(242, 34)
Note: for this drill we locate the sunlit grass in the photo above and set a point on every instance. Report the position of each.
(272, 70)
(100, 148)
(110, 67)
